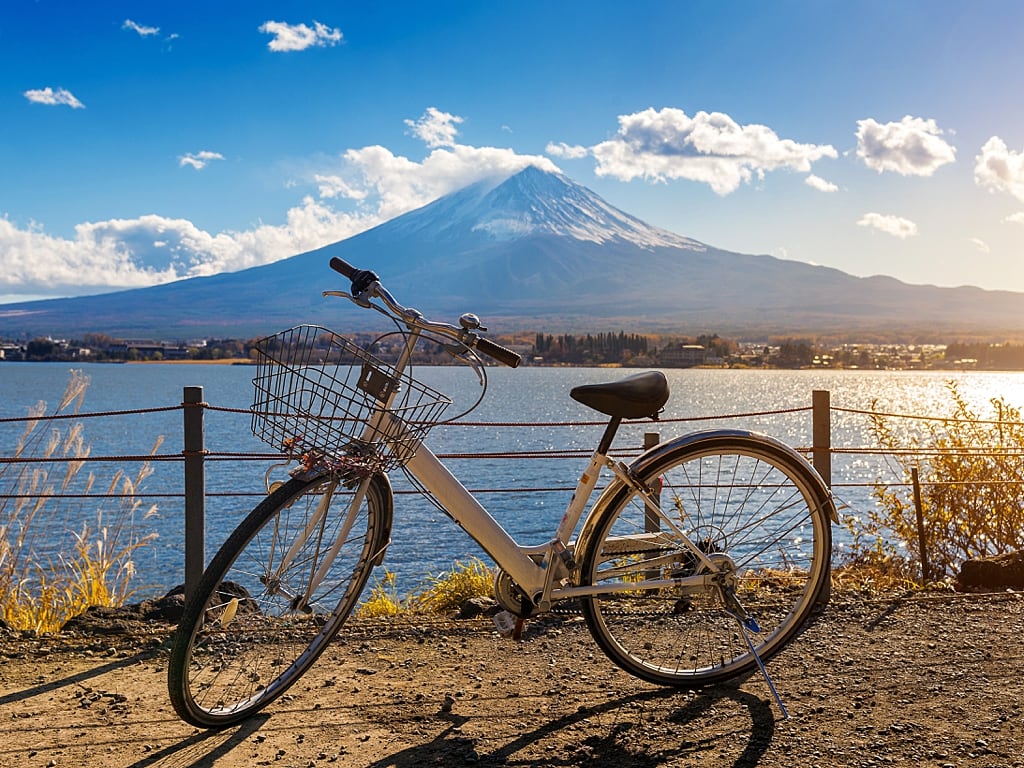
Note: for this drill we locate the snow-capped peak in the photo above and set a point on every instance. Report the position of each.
(535, 202)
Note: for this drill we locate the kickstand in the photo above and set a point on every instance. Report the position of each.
(746, 627)
(517, 632)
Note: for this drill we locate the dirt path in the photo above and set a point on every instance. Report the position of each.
(925, 681)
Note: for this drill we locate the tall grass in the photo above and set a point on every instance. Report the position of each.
(971, 476)
(56, 557)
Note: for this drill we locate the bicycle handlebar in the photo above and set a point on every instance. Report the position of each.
(365, 283)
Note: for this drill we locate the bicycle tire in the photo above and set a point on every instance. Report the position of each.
(753, 506)
(244, 638)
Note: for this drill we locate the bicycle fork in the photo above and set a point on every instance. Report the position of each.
(315, 526)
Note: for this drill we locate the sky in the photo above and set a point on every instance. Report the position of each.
(148, 142)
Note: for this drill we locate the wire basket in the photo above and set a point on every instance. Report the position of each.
(322, 398)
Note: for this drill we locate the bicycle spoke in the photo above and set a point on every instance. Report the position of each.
(754, 513)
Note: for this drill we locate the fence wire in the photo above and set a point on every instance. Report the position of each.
(903, 454)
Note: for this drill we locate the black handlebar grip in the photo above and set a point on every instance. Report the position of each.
(338, 265)
(498, 352)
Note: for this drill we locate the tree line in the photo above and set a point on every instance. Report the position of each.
(1001, 357)
(601, 348)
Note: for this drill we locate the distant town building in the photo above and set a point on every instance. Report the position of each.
(681, 355)
(149, 348)
(12, 352)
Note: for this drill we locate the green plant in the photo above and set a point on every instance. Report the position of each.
(53, 567)
(971, 479)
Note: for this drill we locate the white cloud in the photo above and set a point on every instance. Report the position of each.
(138, 28)
(911, 147)
(390, 184)
(199, 160)
(981, 245)
(709, 147)
(399, 184)
(299, 37)
(435, 128)
(820, 184)
(1000, 169)
(1015, 218)
(891, 225)
(50, 97)
(130, 253)
(332, 185)
(568, 151)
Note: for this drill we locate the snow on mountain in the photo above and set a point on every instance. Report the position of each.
(536, 202)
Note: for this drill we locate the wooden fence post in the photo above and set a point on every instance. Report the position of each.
(195, 488)
(821, 434)
(922, 542)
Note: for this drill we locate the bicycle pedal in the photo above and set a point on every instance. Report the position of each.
(506, 622)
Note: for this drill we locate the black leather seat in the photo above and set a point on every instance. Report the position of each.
(636, 396)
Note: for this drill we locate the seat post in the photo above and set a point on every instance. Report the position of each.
(609, 435)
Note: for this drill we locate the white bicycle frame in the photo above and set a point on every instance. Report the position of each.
(541, 572)
(543, 581)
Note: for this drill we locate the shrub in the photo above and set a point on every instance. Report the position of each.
(971, 476)
(445, 592)
(383, 600)
(448, 591)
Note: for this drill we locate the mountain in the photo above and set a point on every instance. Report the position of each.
(536, 251)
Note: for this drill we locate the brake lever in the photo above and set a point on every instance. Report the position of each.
(365, 303)
(463, 355)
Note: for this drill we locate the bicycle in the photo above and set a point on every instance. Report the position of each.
(697, 562)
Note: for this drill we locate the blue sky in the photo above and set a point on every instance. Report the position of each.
(144, 142)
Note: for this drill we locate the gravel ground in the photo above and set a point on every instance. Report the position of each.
(916, 680)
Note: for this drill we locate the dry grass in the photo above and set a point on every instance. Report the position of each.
(52, 564)
(443, 593)
(971, 472)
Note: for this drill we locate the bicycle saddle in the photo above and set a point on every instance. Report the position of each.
(636, 396)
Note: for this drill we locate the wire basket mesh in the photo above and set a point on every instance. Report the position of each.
(322, 398)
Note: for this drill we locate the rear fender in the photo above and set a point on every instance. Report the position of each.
(615, 489)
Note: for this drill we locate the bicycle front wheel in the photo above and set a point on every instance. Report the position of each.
(275, 594)
(758, 514)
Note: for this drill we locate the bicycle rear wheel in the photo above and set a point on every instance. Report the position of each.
(757, 511)
(275, 594)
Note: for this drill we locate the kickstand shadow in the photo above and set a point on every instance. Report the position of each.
(608, 748)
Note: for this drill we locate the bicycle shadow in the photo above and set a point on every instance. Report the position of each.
(609, 747)
(205, 748)
(77, 678)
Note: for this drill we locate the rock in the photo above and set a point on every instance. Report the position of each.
(167, 608)
(476, 606)
(1005, 571)
(100, 620)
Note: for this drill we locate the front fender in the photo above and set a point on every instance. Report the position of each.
(380, 485)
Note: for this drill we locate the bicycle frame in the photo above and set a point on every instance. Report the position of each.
(538, 579)
(542, 572)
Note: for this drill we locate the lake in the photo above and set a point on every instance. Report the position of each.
(527, 496)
